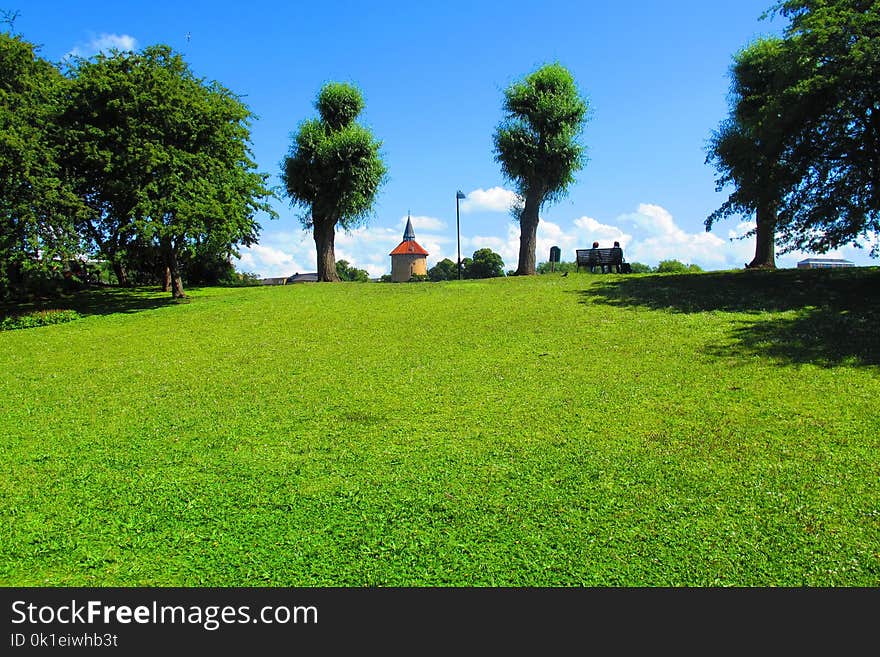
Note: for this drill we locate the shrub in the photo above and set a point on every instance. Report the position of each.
(443, 271)
(560, 267)
(38, 318)
(485, 264)
(676, 267)
(347, 272)
(240, 279)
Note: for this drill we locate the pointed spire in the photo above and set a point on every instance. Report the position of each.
(409, 234)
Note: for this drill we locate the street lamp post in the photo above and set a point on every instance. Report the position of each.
(458, 197)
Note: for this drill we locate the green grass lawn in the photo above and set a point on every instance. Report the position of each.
(644, 430)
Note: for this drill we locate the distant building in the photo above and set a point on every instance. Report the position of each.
(408, 259)
(824, 263)
(303, 278)
(296, 278)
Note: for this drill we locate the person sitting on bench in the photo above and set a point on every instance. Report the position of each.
(594, 258)
(617, 255)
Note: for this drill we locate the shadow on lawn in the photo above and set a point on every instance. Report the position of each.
(831, 316)
(100, 301)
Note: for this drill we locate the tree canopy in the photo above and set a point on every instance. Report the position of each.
(37, 206)
(334, 170)
(836, 149)
(676, 267)
(348, 272)
(125, 156)
(748, 148)
(443, 271)
(161, 158)
(537, 144)
(805, 121)
(485, 263)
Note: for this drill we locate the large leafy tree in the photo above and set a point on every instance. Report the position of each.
(443, 271)
(334, 170)
(537, 144)
(162, 158)
(485, 264)
(348, 272)
(36, 205)
(749, 148)
(836, 146)
(801, 144)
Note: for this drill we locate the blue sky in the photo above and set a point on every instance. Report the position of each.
(433, 74)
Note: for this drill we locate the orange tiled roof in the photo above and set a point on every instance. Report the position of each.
(408, 247)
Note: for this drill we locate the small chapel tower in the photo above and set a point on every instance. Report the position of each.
(408, 259)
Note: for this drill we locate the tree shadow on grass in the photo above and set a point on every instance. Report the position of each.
(830, 316)
(99, 301)
(820, 336)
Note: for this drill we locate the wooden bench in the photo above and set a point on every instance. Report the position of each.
(604, 258)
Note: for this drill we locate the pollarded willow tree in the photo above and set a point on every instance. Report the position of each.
(333, 170)
(537, 144)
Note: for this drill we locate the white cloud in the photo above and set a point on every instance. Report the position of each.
(590, 230)
(496, 199)
(859, 256)
(268, 261)
(741, 246)
(374, 271)
(369, 234)
(666, 240)
(507, 246)
(437, 246)
(741, 229)
(423, 223)
(103, 43)
(653, 219)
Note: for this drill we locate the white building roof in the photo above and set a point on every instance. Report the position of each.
(836, 261)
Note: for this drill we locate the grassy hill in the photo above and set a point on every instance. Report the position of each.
(644, 430)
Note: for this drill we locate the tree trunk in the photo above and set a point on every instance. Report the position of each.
(166, 285)
(121, 275)
(765, 242)
(176, 280)
(325, 234)
(528, 235)
(172, 266)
